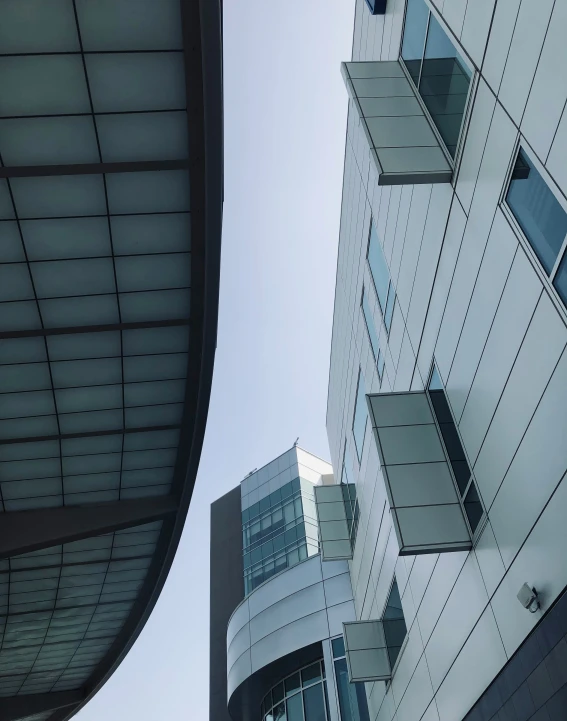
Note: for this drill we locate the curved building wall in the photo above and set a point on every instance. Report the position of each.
(301, 606)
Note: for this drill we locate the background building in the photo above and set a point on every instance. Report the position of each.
(276, 608)
(111, 184)
(451, 280)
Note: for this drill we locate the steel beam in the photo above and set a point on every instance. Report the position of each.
(33, 171)
(26, 531)
(16, 707)
(70, 330)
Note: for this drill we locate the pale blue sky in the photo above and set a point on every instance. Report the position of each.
(285, 117)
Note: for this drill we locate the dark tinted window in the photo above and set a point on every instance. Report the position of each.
(394, 624)
(537, 211)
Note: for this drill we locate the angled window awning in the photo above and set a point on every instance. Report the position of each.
(403, 145)
(426, 511)
(334, 506)
(366, 651)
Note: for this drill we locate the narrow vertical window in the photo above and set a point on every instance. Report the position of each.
(381, 277)
(360, 416)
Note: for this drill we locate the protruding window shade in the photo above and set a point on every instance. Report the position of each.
(366, 651)
(403, 146)
(426, 511)
(335, 513)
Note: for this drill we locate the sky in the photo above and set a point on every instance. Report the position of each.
(285, 120)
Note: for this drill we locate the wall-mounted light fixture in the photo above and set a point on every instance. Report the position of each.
(527, 596)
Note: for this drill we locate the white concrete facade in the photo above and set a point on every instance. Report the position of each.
(472, 295)
(305, 604)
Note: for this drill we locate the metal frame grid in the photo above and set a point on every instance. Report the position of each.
(105, 267)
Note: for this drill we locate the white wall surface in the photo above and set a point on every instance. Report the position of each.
(285, 468)
(471, 294)
(302, 605)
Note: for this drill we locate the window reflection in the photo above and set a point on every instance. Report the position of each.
(299, 697)
(352, 696)
(537, 211)
(440, 74)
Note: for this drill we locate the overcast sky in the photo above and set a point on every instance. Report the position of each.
(285, 118)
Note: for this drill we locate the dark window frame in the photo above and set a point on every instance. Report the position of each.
(560, 263)
(471, 485)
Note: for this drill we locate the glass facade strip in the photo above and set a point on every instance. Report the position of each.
(353, 704)
(360, 417)
(381, 277)
(275, 533)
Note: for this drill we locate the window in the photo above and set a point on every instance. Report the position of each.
(360, 416)
(381, 277)
(467, 488)
(541, 218)
(278, 532)
(299, 697)
(352, 696)
(395, 629)
(372, 335)
(440, 75)
(352, 507)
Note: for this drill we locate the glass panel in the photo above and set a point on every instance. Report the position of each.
(338, 645)
(143, 136)
(311, 674)
(149, 192)
(473, 507)
(352, 697)
(279, 712)
(137, 81)
(278, 692)
(43, 85)
(294, 706)
(537, 211)
(417, 15)
(444, 84)
(292, 684)
(378, 268)
(360, 416)
(66, 238)
(111, 25)
(394, 624)
(59, 195)
(370, 327)
(314, 703)
(133, 234)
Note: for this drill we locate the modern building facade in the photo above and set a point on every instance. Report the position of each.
(276, 608)
(448, 380)
(111, 187)
(444, 525)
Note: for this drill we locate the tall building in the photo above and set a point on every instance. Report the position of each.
(276, 608)
(111, 173)
(441, 574)
(448, 380)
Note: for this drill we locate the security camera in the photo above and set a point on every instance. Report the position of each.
(527, 596)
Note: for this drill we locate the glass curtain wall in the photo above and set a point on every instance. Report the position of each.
(352, 696)
(278, 532)
(440, 74)
(299, 697)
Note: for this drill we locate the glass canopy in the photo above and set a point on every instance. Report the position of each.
(96, 269)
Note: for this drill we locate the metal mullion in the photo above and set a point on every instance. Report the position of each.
(72, 360)
(83, 115)
(98, 257)
(126, 166)
(102, 215)
(68, 565)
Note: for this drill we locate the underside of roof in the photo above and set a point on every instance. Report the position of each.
(110, 225)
